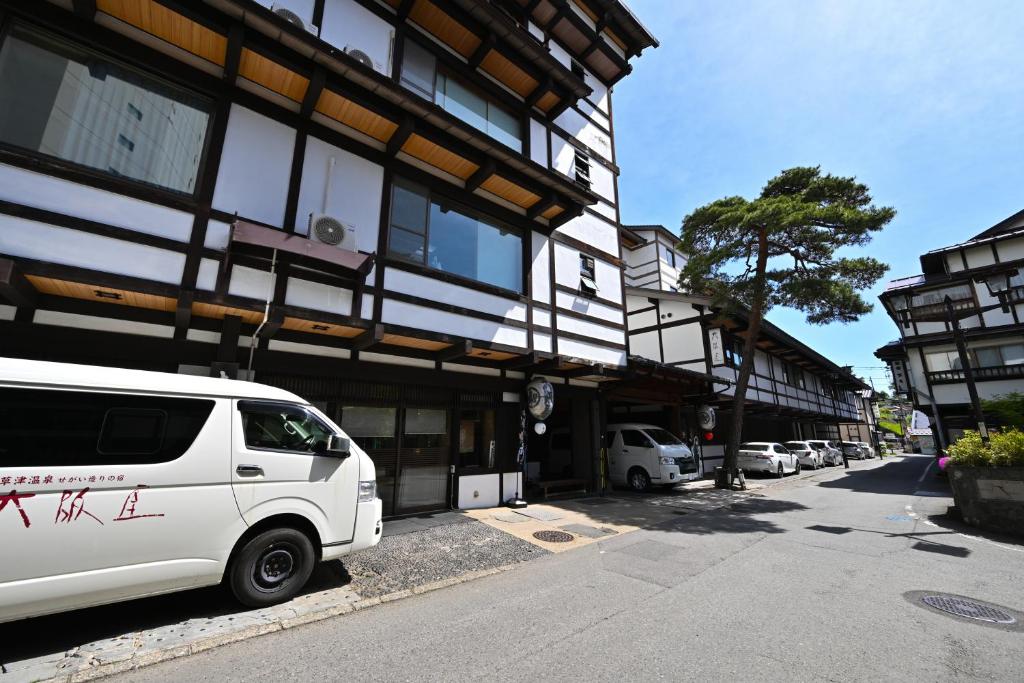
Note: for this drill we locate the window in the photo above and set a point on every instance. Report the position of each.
(438, 236)
(733, 351)
(68, 102)
(425, 428)
(465, 103)
(588, 276)
(40, 427)
(785, 371)
(476, 439)
(943, 361)
(283, 427)
(997, 356)
(370, 428)
(668, 256)
(633, 437)
(798, 375)
(581, 169)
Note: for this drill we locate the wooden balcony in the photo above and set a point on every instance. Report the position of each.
(1000, 372)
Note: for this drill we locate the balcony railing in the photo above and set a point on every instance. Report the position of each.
(937, 312)
(980, 374)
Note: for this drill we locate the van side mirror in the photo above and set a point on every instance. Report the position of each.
(339, 446)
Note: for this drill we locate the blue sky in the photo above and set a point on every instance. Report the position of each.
(922, 100)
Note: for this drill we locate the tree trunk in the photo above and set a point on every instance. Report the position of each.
(735, 436)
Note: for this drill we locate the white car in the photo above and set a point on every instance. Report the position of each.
(829, 452)
(808, 455)
(642, 454)
(767, 457)
(121, 484)
(868, 448)
(853, 449)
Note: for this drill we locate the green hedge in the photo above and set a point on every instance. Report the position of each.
(1005, 449)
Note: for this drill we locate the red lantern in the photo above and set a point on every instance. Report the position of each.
(708, 436)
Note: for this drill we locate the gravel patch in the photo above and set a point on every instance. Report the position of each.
(409, 560)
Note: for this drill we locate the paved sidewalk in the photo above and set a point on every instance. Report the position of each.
(415, 556)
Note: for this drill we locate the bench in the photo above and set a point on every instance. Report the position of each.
(563, 486)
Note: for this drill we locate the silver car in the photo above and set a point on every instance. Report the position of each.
(808, 455)
(829, 453)
(852, 449)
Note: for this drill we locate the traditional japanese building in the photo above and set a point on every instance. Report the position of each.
(401, 210)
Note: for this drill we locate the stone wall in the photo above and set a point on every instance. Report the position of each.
(990, 497)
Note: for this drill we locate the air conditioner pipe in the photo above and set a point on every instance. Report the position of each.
(266, 314)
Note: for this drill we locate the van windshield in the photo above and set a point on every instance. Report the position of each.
(662, 437)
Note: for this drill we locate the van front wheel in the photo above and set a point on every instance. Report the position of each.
(638, 480)
(272, 567)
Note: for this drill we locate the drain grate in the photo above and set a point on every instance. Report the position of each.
(968, 608)
(553, 536)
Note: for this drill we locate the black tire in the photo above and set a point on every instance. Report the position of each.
(272, 567)
(797, 470)
(781, 473)
(638, 480)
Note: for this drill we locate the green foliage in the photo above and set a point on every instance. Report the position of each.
(1005, 449)
(893, 427)
(806, 217)
(1008, 408)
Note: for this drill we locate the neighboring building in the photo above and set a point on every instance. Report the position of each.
(984, 278)
(402, 210)
(866, 427)
(652, 259)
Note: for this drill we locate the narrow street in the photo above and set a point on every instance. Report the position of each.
(807, 582)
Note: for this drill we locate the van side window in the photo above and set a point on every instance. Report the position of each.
(51, 427)
(282, 427)
(633, 437)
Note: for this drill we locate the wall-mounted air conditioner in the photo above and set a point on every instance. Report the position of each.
(306, 24)
(363, 58)
(326, 227)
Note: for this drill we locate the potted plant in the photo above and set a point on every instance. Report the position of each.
(988, 480)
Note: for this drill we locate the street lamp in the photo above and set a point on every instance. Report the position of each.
(999, 286)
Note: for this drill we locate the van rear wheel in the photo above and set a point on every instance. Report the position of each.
(271, 567)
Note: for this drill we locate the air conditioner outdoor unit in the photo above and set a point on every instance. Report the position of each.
(292, 18)
(363, 58)
(332, 230)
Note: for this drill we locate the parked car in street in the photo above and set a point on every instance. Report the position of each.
(830, 454)
(126, 484)
(767, 457)
(642, 454)
(852, 450)
(869, 450)
(808, 455)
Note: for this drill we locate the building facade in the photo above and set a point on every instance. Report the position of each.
(402, 210)
(983, 279)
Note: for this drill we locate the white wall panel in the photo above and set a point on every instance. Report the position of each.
(589, 329)
(388, 359)
(590, 307)
(677, 310)
(479, 491)
(7, 312)
(308, 349)
(578, 126)
(567, 273)
(540, 270)
(600, 96)
(43, 242)
(367, 307)
(594, 352)
(602, 181)
(542, 342)
(563, 155)
(559, 53)
(217, 235)
(683, 343)
(605, 209)
(207, 277)
(541, 318)
(444, 292)
(91, 322)
(644, 319)
(251, 283)
(318, 296)
(538, 142)
(73, 199)
(423, 318)
(347, 24)
(591, 230)
(979, 256)
(954, 263)
(645, 345)
(1011, 250)
(255, 167)
(355, 192)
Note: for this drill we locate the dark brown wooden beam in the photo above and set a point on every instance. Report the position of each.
(486, 170)
(486, 45)
(313, 91)
(227, 350)
(183, 312)
(233, 56)
(15, 288)
(273, 324)
(542, 205)
(406, 128)
(86, 9)
(369, 338)
(457, 350)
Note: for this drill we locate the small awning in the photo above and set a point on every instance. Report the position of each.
(256, 240)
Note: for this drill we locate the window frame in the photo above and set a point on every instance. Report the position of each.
(440, 199)
(239, 408)
(76, 171)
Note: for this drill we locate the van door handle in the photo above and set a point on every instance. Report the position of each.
(249, 469)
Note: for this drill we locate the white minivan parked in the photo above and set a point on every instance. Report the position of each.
(642, 454)
(119, 484)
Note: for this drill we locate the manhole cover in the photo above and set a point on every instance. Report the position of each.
(553, 536)
(968, 608)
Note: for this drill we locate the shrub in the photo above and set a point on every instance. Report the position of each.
(1005, 449)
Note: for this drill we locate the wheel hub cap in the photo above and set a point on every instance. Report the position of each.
(275, 566)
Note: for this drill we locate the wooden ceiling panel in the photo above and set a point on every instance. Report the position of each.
(502, 68)
(552, 212)
(314, 327)
(205, 310)
(355, 116)
(438, 157)
(271, 75)
(547, 100)
(491, 355)
(447, 30)
(168, 25)
(413, 342)
(510, 191)
(107, 295)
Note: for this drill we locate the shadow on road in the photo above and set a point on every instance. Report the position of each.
(739, 518)
(29, 638)
(923, 544)
(895, 478)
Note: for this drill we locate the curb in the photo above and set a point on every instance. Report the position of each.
(132, 662)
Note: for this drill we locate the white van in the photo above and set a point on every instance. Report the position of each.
(119, 484)
(642, 454)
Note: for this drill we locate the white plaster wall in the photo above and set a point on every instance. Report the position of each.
(605, 209)
(356, 187)
(591, 230)
(423, 318)
(43, 242)
(578, 126)
(318, 296)
(567, 273)
(479, 491)
(954, 263)
(581, 304)
(255, 166)
(538, 142)
(443, 292)
(251, 283)
(559, 53)
(586, 328)
(308, 349)
(594, 352)
(1011, 250)
(598, 116)
(563, 155)
(218, 234)
(645, 345)
(91, 322)
(542, 342)
(541, 317)
(600, 96)
(81, 201)
(540, 268)
(677, 310)
(683, 343)
(643, 319)
(602, 181)
(979, 256)
(348, 24)
(207, 278)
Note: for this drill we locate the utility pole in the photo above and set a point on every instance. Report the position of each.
(965, 363)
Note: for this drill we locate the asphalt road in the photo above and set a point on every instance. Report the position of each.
(809, 582)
